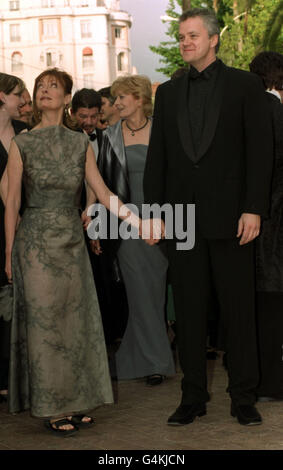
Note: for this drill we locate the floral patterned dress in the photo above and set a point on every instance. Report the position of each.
(58, 360)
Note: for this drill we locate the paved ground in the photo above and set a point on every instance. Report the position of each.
(138, 422)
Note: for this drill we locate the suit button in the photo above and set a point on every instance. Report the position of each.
(196, 166)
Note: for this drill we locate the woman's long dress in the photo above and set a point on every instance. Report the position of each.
(145, 348)
(58, 361)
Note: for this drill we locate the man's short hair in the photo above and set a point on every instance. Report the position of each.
(269, 66)
(106, 93)
(86, 98)
(209, 18)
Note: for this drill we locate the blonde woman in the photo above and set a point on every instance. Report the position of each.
(145, 349)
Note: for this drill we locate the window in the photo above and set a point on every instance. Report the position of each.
(86, 29)
(51, 59)
(17, 62)
(14, 5)
(100, 3)
(88, 61)
(47, 3)
(15, 34)
(88, 80)
(50, 28)
(121, 62)
(118, 33)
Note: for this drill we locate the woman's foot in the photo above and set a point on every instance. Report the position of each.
(62, 426)
(155, 379)
(82, 420)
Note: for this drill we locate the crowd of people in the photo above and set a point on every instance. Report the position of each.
(214, 140)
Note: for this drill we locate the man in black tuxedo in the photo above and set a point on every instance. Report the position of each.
(85, 110)
(211, 145)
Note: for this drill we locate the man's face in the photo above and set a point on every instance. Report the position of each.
(87, 118)
(106, 109)
(196, 47)
(26, 110)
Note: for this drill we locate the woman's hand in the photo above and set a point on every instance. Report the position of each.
(95, 247)
(86, 219)
(152, 230)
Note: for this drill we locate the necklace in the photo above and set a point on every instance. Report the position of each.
(133, 131)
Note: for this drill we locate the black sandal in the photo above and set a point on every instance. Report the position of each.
(55, 427)
(155, 379)
(77, 420)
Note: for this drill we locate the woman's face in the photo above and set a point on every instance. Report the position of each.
(128, 105)
(12, 102)
(50, 94)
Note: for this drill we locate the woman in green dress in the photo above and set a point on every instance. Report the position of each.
(59, 367)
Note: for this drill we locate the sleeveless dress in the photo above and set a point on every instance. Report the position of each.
(145, 347)
(58, 362)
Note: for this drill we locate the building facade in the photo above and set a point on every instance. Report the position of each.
(87, 38)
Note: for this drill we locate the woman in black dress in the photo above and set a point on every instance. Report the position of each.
(269, 259)
(11, 88)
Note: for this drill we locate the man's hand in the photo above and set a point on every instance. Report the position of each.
(248, 227)
(152, 230)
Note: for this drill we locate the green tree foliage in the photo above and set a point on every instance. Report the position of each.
(248, 27)
(273, 38)
(259, 28)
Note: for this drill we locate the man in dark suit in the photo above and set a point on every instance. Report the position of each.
(86, 105)
(211, 145)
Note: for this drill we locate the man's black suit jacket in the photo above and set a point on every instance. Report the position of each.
(231, 172)
(99, 134)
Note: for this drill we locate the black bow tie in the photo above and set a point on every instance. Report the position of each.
(92, 137)
(194, 74)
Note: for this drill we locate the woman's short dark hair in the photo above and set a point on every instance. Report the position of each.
(8, 83)
(209, 18)
(269, 66)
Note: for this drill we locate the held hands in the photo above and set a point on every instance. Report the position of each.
(248, 227)
(152, 230)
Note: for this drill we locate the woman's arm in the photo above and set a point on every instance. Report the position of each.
(90, 199)
(4, 186)
(13, 202)
(97, 185)
(103, 193)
